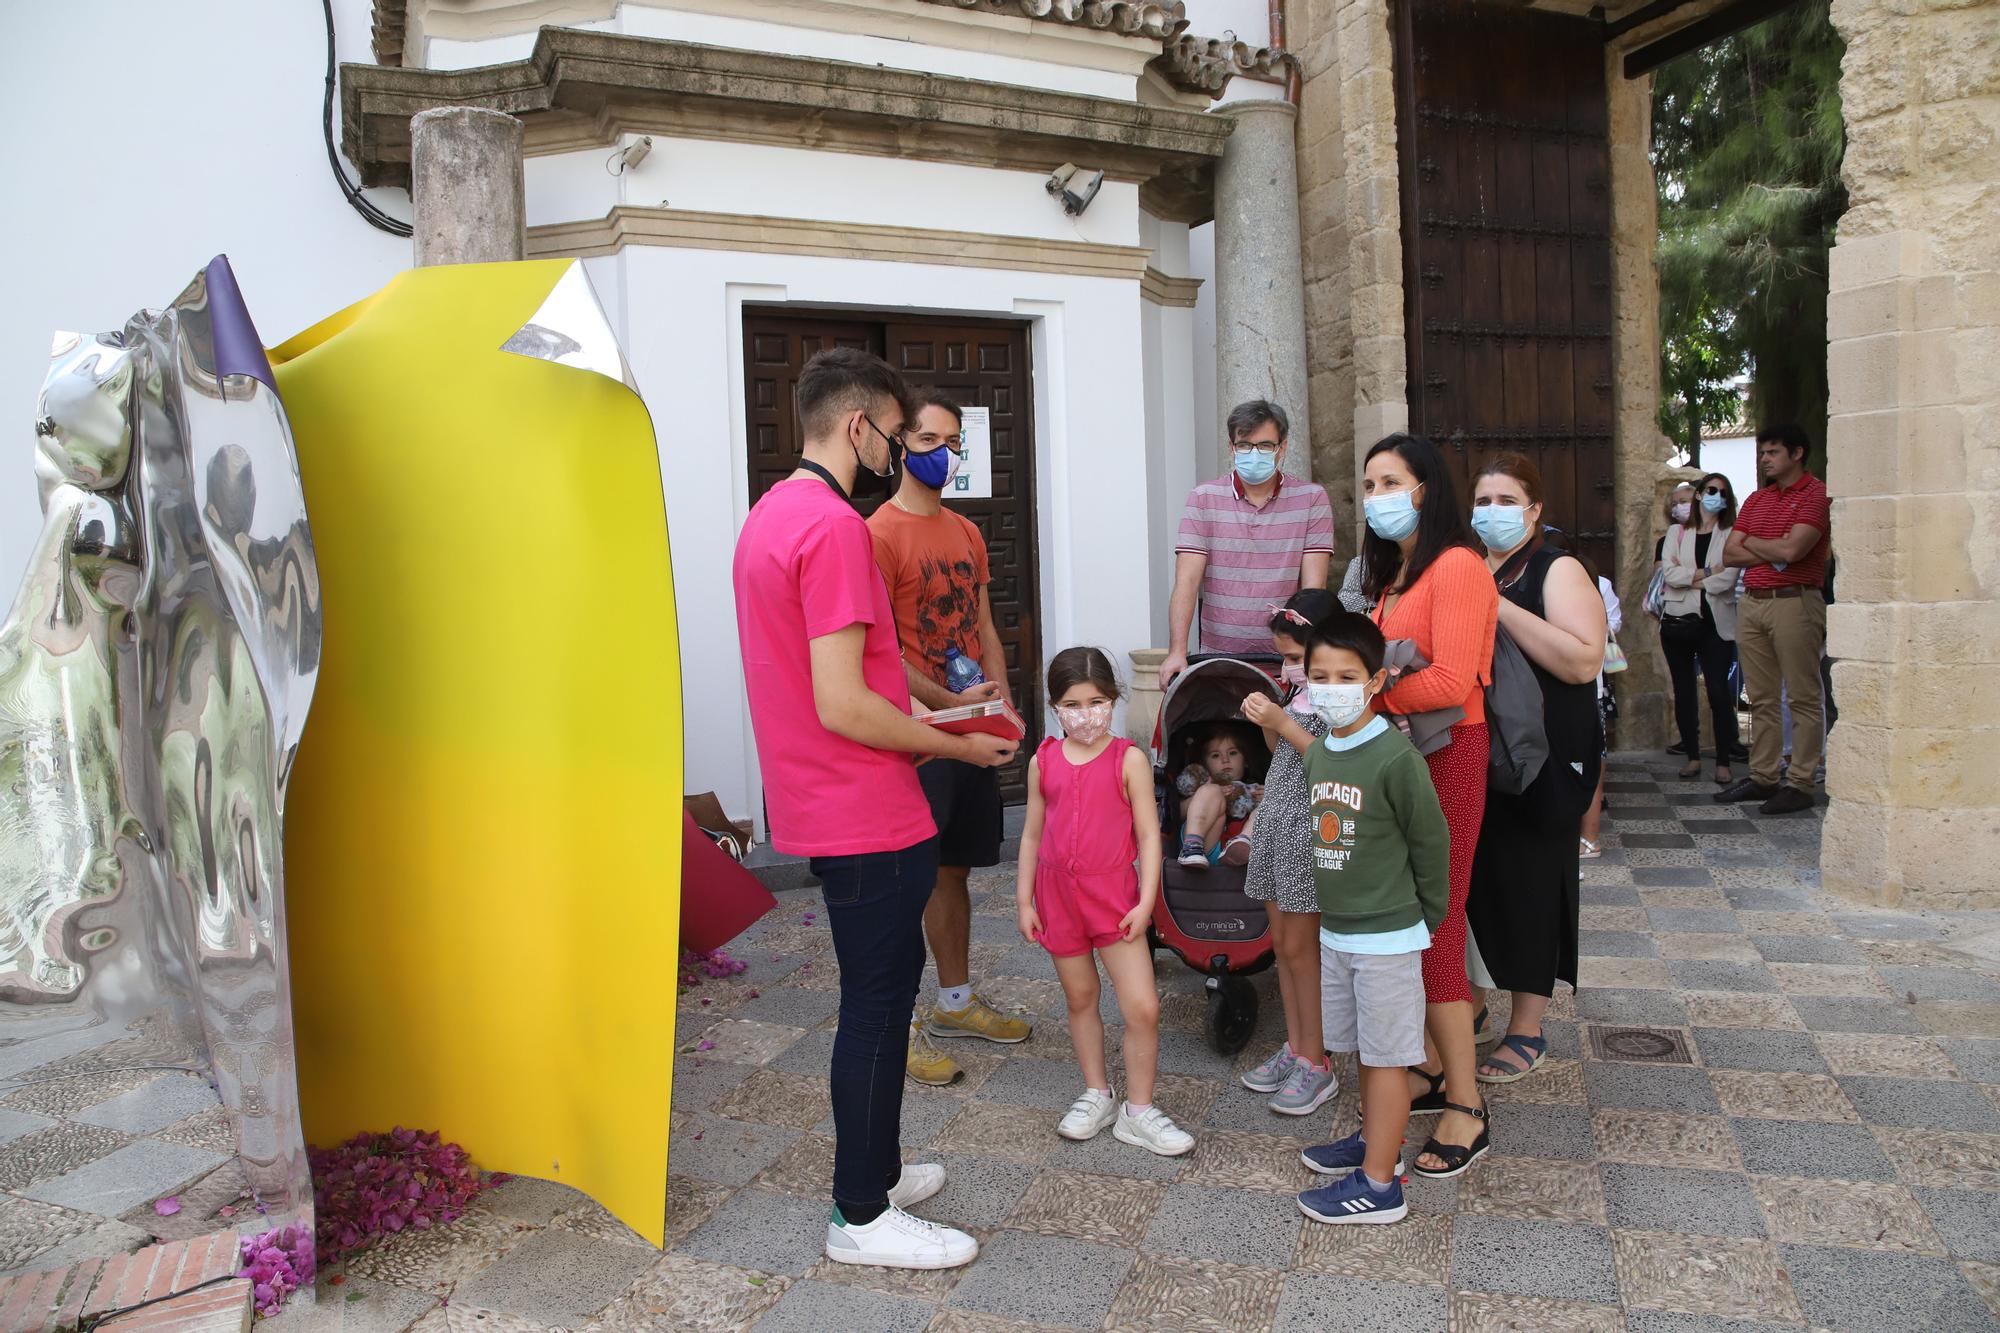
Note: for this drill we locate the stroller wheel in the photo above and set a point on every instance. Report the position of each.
(1232, 1013)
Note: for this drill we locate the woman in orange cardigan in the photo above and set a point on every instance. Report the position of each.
(1428, 583)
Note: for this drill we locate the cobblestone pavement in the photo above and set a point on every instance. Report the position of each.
(1819, 1147)
(96, 1125)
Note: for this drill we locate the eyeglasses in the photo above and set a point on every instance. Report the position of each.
(1262, 447)
(1713, 490)
(1289, 614)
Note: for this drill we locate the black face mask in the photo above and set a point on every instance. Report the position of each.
(895, 443)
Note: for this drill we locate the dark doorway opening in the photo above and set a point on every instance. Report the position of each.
(1506, 202)
(982, 363)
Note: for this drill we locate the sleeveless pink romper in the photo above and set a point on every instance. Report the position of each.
(1085, 880)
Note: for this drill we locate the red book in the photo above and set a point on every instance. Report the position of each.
(995, 717)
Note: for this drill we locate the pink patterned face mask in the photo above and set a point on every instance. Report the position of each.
(1085, 724)
(1293, 677)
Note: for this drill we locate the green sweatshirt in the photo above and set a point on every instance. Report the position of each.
(1381, 853)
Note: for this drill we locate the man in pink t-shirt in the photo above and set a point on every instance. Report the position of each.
(830, 707)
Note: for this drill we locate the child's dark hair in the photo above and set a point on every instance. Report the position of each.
(1312, 605)
(1352, 632)
(1081, 666)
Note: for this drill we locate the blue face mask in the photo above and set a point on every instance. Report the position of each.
(1255, 467)
(1713, 503)
(1391, 517)
(934, 469)
(1501, 527)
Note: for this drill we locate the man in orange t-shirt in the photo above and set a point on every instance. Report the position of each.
(934, 562)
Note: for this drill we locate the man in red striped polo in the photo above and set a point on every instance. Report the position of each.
(1248, 541)
(1781, 538)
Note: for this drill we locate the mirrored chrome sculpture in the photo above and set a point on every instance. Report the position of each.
(155, 672)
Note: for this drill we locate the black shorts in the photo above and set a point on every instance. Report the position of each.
(965, 802)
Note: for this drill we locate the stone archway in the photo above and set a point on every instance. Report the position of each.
(1913, 446)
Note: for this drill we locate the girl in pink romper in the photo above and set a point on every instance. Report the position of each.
(1090, 817)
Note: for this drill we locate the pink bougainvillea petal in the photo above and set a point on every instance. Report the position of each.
(168, 1206)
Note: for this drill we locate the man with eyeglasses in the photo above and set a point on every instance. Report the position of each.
(830, 708)
(934, 562)
(1248, 541)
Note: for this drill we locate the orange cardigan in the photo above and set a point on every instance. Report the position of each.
(1451, 613)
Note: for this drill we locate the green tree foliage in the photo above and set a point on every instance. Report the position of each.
(1747, 140)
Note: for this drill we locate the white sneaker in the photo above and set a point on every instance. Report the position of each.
(918, 1182)
(1153, 1131)
(1088, 1115)
(898, 1240)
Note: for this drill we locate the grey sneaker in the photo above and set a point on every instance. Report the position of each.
(1306, 1090)
(1271, 1075)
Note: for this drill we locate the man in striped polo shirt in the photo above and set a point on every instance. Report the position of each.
(1781, 538)
(1248, 541)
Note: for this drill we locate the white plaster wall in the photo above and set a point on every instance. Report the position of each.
(1208, 413)
(683, 320)
(148, 139)
(769, 181)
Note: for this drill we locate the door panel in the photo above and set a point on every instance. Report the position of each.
(978, 364)
(986, 365)
(1507, 251)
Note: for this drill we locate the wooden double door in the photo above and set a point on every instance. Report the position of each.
(978, 363)
(1505, 173)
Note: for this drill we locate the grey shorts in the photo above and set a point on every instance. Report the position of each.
(1373, 1003)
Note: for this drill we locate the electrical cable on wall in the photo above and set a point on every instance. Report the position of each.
(374, 216)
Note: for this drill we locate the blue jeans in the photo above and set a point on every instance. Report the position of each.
(875, 909)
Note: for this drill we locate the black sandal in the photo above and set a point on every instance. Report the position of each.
(1429, 1103)
(1454, 1157)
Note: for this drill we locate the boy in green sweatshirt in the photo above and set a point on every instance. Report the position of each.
(1380, 857)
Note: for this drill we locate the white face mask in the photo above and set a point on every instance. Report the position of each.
(1340, 705)
(1085, 724)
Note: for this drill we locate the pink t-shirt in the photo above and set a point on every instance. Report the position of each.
(805, 567)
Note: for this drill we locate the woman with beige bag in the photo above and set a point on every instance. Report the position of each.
(1698, 619)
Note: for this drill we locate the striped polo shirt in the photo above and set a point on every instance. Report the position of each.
(1770, 513)
(1253, 555)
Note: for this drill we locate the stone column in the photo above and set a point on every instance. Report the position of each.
(1913, 361)
(466, 186)
(1142, 706)
(1640, 475)
(1260, 313)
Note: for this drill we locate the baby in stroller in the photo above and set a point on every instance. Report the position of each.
(1221, 803)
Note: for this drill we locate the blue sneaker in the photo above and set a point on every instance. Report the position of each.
(1353, 1199)
(1337, 1159)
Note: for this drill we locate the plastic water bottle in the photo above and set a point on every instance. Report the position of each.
(961, 673)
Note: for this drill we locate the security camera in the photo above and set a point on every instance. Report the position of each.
(1074, 187)
(633, 154)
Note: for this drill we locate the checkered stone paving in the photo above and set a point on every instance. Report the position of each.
(97, 1123)
(1765, 1109)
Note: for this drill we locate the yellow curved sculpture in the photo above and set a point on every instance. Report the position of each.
(484, 833)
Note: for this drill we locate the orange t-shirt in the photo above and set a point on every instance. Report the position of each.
(1451, 613)
(935, 566)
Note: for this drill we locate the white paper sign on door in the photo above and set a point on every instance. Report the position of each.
(975, 460)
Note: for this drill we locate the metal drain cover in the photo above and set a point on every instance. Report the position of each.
(1650, 1046)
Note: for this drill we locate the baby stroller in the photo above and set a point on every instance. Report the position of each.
(1204, 915)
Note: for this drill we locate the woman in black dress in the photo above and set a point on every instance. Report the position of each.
(1522, 909)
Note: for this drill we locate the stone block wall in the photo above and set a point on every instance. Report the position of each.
(1913, 458)
(1351, 219)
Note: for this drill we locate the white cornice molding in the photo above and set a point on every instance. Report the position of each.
(630, 225)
